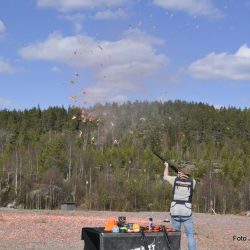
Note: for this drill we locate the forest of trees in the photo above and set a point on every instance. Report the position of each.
(101, 157)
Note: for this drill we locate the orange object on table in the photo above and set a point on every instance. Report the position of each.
(110, 224)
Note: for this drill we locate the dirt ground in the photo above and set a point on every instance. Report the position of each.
(43, 229)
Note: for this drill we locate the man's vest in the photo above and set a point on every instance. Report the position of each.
(182, 197)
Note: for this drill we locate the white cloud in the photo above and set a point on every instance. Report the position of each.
(2, 27)
(117, 67)
(5, 67)
(69, 5)
(223, 66)
(110, 14)
(192, 7)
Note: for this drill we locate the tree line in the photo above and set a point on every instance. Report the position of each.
(101, 157)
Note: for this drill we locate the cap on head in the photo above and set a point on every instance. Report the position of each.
(187, 169)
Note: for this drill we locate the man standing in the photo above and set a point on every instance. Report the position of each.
(181, 206)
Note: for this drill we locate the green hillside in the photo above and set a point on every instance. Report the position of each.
(101, 157)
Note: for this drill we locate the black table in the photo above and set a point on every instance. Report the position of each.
(97, 239)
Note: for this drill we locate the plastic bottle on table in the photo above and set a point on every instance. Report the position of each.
(150, 224)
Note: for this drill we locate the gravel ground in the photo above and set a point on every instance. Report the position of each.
(43, 229)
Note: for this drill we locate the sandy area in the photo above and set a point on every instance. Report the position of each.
(43, 229)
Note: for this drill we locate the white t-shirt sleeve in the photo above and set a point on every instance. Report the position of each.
(170, 179)
(194, 183)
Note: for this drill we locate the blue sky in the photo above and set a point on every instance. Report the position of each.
(80, 52)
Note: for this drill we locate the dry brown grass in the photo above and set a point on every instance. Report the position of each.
(33, 229)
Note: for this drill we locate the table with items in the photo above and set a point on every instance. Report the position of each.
(130, 236)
